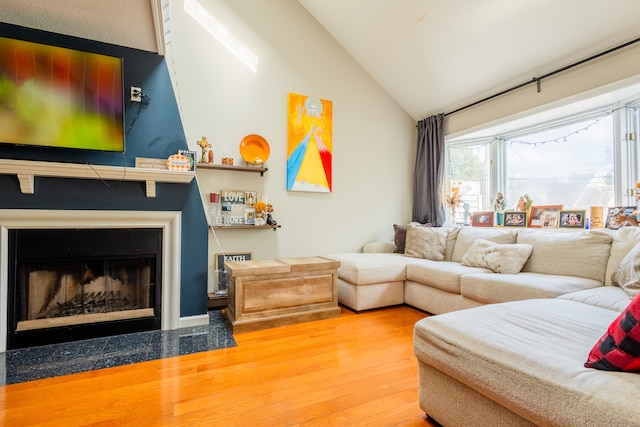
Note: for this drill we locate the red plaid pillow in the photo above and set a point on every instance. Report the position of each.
(619, 348)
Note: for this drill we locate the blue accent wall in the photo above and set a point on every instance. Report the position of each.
(156, 132)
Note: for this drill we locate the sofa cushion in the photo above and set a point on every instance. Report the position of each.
(628, 274)
(580, 254)
(619, 348)
(609, 297)
(380, 247)
(500, 258)
(425, 242)
(493, 288)
(467, 235)
(624, 240)
(443, 275)
(534, 349)
(452, 237)
(368, 268)
(399, 237)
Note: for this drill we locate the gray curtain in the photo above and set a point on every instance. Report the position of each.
(429, 172)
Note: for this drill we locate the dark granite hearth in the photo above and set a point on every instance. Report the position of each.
(46, 361)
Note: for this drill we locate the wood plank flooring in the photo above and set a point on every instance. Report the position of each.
(357, 370)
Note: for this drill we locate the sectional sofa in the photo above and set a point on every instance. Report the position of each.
(518, 311)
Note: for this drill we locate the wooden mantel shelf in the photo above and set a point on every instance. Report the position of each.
(27, 170)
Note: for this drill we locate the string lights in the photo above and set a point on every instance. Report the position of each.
(564, 138)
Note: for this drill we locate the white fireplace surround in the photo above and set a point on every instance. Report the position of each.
(169, 221)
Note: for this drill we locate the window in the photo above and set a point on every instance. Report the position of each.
(469, 166)
(579, 155)
(571, 165)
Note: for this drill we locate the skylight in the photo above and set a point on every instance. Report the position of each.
(221, 33)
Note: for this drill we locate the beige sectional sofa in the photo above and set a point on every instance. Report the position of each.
(508, 349)
(561, 262)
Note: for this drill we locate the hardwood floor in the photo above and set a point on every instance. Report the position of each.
(358, 369)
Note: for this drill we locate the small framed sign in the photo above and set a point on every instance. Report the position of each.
(231, 256)
(191, 155)
(222, 276)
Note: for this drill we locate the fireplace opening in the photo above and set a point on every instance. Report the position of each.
(71, 284)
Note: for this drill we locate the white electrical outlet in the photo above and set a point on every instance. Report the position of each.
(136, 94)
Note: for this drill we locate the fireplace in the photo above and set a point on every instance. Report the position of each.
(70, 284)
(168, 283)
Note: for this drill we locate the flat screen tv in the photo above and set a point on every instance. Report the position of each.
(58, 97)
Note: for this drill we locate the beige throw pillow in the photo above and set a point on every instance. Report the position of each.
(628, 274)
(425, 242)
(624, 240)
(399, 237)
(506, 258)
(576, 253)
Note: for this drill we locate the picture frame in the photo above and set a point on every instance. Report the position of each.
(221, 258)
(482, 219)
(613, 213)
(572, 219)
(250, 198)
(192, 156)
(249, 216)
(544, 216)
(515, 219)
(221, 275)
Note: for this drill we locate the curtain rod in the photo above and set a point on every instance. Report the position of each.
(544, 76)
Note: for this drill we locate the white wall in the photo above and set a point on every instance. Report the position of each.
(222, 99)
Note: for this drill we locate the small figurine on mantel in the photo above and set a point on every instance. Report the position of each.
(207, 152)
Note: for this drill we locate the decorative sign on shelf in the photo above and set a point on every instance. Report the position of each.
(231, 256)
(236, 206)
(222, 277)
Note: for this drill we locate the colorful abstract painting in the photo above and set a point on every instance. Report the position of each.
(309, 144)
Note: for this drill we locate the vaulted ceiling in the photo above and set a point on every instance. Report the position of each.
(431, 56)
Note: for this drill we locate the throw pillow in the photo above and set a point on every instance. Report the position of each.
(619, 348)
(628, 273)
(399, 238)
(506, 258)
(425, 242)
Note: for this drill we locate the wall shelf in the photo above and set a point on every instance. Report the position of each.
(257, 169)
(237, 227)
(27, 170)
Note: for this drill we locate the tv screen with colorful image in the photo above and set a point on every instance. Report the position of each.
(58, 97)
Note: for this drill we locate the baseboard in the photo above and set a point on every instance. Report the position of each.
(197, 320)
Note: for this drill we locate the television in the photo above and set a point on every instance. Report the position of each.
(53, 96)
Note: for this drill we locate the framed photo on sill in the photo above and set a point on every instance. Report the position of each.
(544, 216)
(613, 222)
(482, 219)
(515, 219)
(572, 219)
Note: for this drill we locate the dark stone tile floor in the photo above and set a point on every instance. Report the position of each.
(34, 363)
